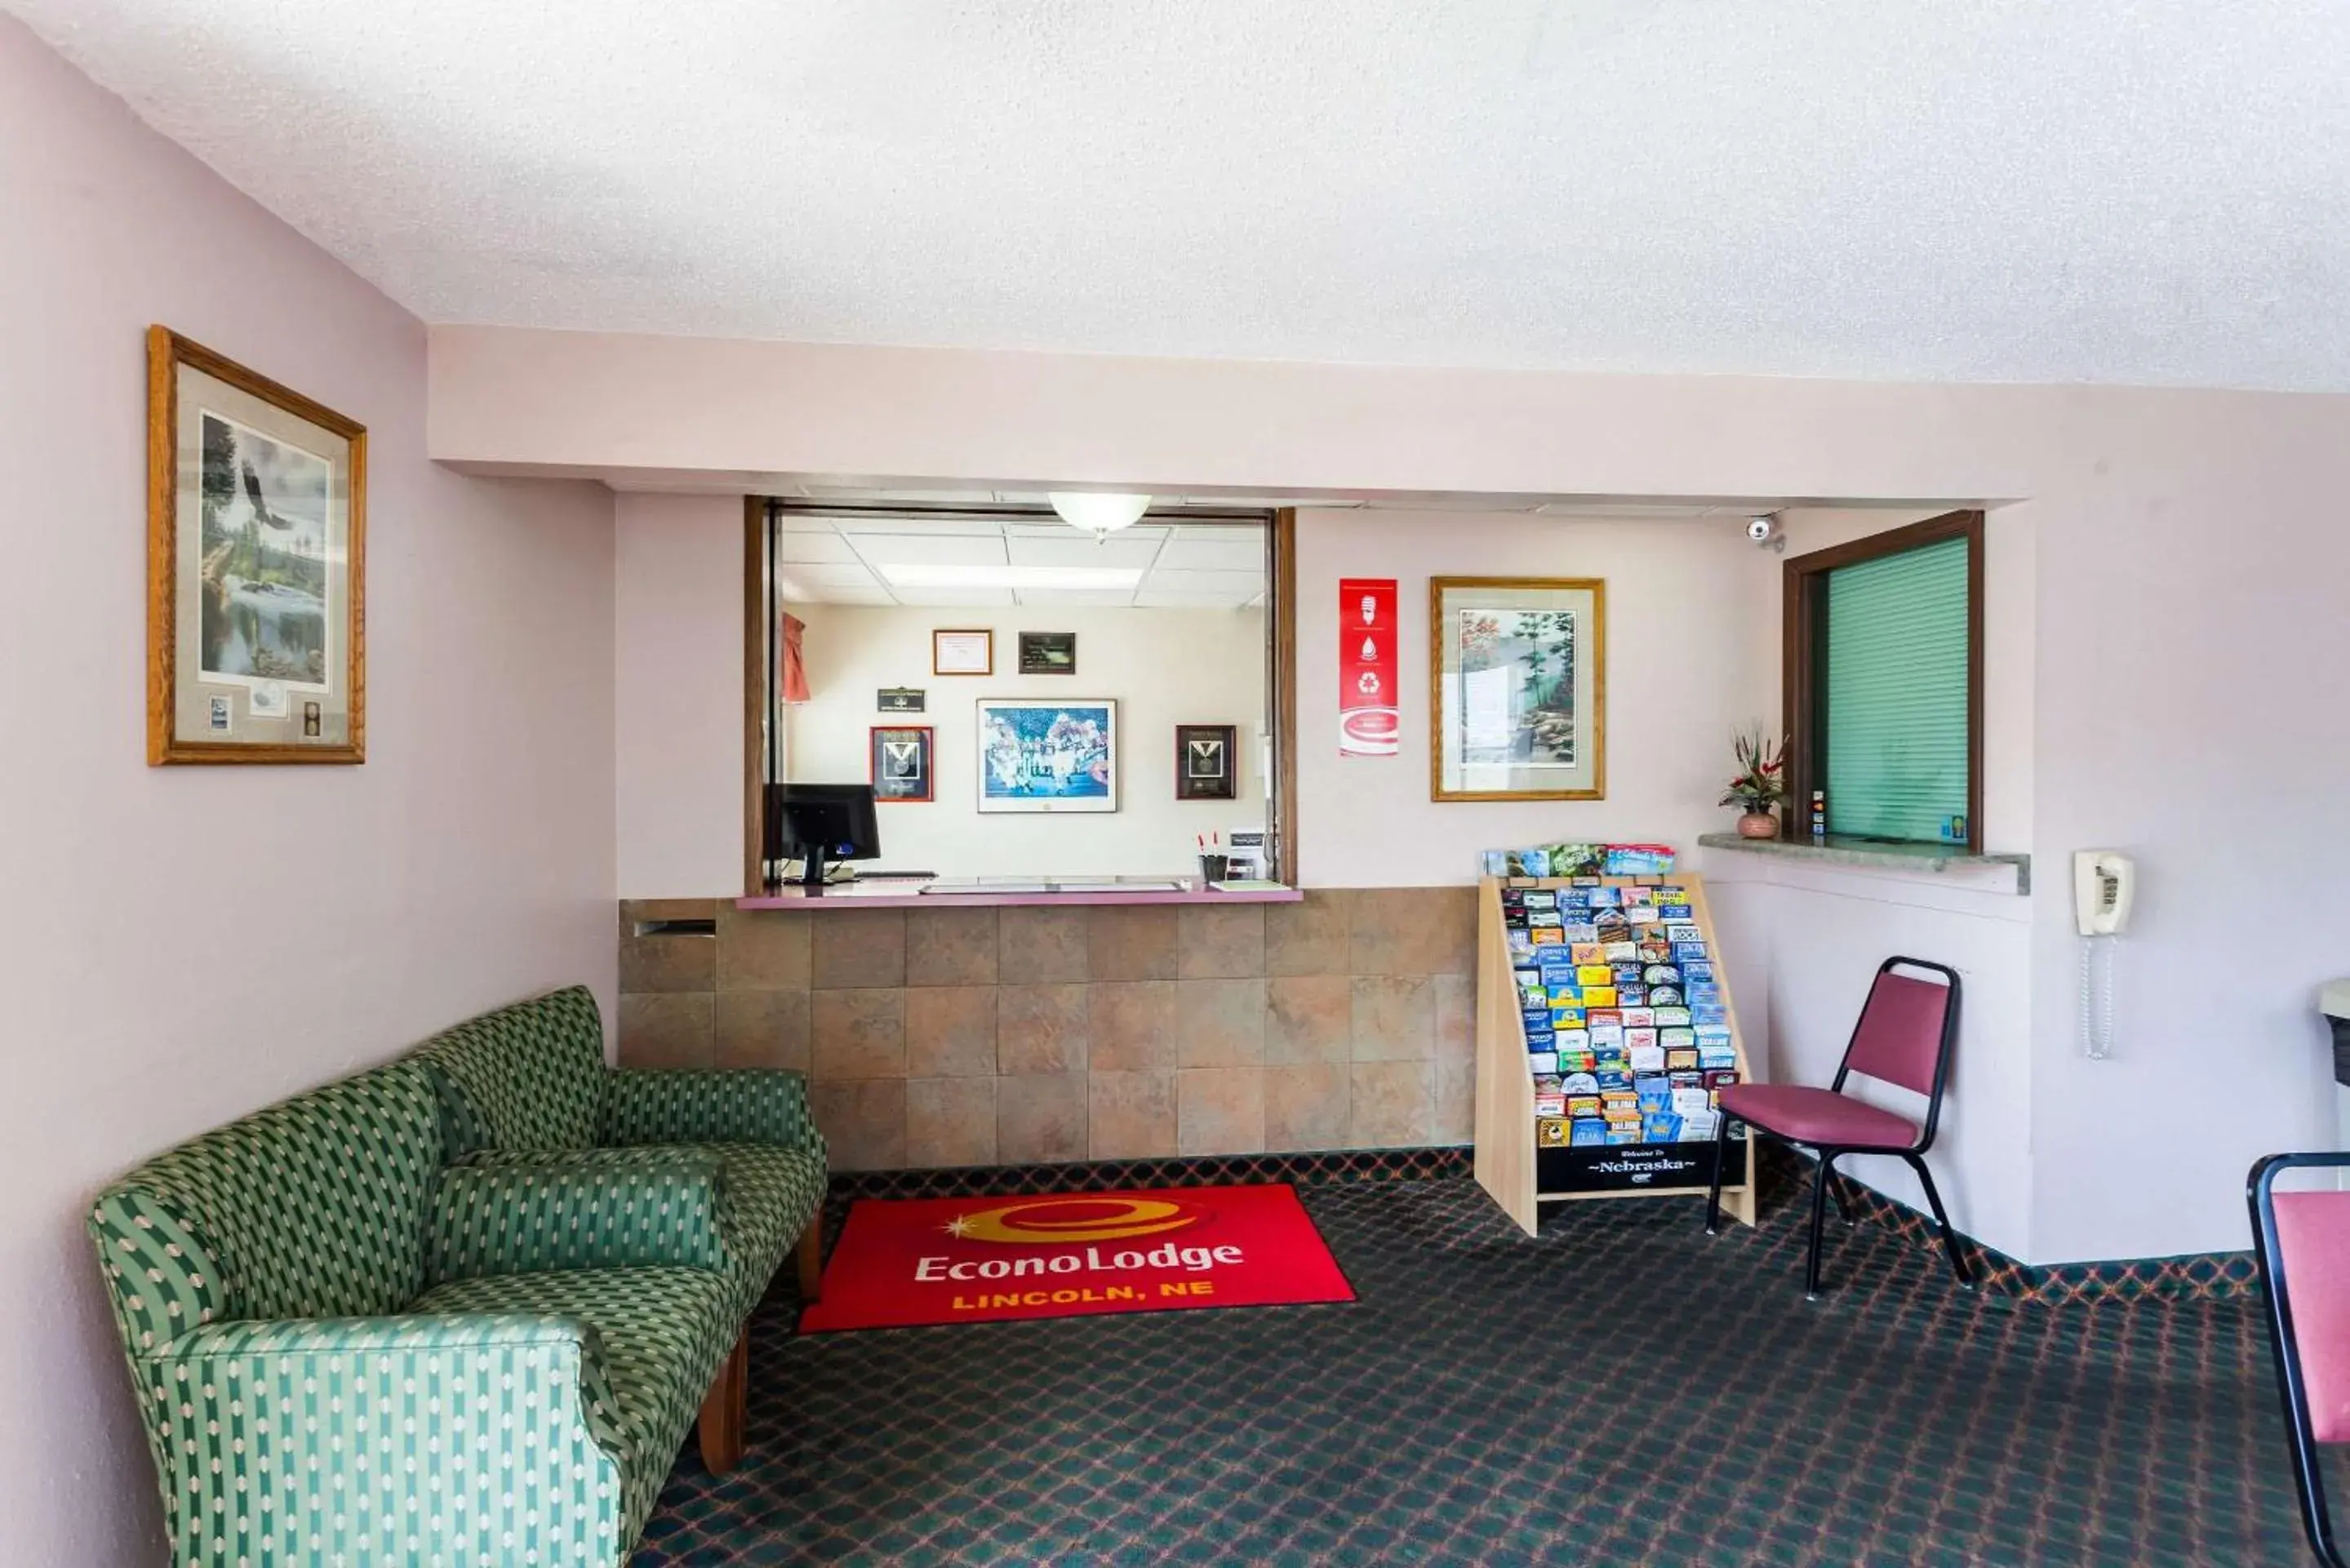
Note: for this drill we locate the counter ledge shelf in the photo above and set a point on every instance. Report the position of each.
(958, 893)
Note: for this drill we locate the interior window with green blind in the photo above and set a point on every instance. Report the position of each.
(1882, 664)
(1896, 744)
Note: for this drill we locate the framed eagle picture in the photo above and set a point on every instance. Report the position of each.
(256, 528)
(901, 763)
(1204, 762)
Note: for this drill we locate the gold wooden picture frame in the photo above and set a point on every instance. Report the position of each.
(963, 651)
(256, 536)
(1517, 687)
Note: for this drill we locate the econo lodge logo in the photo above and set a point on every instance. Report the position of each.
(1083, 1234)
(1062, 1219)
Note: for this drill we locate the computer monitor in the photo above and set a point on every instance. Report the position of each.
(817, 824)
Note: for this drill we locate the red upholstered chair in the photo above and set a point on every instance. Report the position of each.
(1906, 1030)
(2301, 1242)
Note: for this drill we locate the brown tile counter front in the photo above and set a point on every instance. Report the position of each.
(1020, 1034)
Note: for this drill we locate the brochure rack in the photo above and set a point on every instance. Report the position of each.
(1525, 1158)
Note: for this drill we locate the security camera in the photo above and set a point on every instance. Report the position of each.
(1763, 529)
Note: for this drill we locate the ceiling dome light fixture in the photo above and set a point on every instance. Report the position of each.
(1097, 513)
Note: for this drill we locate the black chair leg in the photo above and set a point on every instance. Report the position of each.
(1819, 1219)
(1721, 1158)
(2310, 1482)
(1844, 1202)
(1950, 1237)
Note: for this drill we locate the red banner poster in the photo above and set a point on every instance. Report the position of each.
(1368, 721)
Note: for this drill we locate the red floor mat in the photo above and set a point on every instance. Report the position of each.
(983, 1259)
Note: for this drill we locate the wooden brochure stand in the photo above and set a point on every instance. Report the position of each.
(1509, 1163)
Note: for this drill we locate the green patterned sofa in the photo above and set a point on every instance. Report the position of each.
(348, 1349)
(527, 1087)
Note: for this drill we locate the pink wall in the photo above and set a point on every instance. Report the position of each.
(678, 695)
(1680, 625)
(2183, 594)
(179, 946)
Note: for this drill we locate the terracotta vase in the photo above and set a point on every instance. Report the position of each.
(1758, 824)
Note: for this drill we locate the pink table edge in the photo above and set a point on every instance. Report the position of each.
(900, 896)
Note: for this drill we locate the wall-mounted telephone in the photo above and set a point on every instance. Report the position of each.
(2105, 882)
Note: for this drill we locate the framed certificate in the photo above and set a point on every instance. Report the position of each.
(961, 652)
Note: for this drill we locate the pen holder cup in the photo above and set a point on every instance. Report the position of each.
(1214, 867)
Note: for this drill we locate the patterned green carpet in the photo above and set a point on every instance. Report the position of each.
(1622, 1391)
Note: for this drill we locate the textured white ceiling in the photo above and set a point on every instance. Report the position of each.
(2009, 189)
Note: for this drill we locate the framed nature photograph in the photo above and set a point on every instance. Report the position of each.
(1048, 653)
(1206, 758)
(963, 652)
(256, 526)
(1517, 671)
(1047, 756)
(901, 762)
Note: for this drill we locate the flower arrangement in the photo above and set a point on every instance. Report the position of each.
(1761, 781)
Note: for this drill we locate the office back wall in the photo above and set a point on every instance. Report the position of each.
(1164, 667)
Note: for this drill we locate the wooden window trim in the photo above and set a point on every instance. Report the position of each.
(1281, 687)
(1280, 693)
(754, 686)
(1802, 697)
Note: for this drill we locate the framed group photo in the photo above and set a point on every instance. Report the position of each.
(1047, 757)
(1206, 760)
(256, 528)
(901, 761)
(1517, 671)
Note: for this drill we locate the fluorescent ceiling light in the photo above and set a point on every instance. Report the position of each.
(928, 576)
(1097, 513)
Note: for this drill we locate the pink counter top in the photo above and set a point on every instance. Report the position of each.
(906, 895)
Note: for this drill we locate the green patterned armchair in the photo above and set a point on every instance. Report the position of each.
(344, 1354)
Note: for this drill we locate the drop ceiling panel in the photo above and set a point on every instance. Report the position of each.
(1157, 598)
(1238, 585)
(901, 522)
(827, 547)
(945, 598)
(1075, 597)
(1054, 529)
(841, 596)
(818, 575)
(1206, 549)
(931, 550)
(1069, 550)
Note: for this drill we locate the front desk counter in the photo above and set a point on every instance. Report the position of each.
(892, 893)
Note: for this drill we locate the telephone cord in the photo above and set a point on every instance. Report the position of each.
(2098, 1010)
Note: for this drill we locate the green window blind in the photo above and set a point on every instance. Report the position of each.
(1896, 695)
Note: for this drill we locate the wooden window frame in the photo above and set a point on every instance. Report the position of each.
(757, 671)
(1281, 694)
(1804, 674)
(1280, 687)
